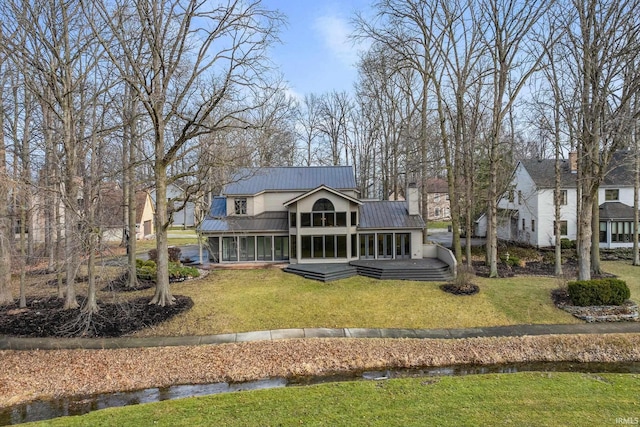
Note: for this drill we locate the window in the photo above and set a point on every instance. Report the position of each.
(264, 248)
(305, 220)
(247, 248)
(328, 246)
(323, 215)
(323, 205)
(240, 206)
(511, 196)
(621, 231)
(292, 219)
(612, 195)
(437, 212)
(563, 197)
(563, 228)
(281, 248)
(520, 197)
(436, 198)
(385, 245)
(603, 232)
(354, 245)
(533, 225)
(524, 224)
(229, 249)
(354, 219)
(367, 246)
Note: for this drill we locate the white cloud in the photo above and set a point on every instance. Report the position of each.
(334, 32)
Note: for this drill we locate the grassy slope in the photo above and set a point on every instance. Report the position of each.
(528, 399)
(249, 300)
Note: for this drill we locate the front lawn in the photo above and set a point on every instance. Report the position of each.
(531, 399)
(251, 300)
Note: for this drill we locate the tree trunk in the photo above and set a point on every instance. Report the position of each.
(162, 295)
(595, 236)
(5, 223)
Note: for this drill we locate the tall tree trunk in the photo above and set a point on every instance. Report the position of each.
(595, 236)
(162, 295)
(5, 222)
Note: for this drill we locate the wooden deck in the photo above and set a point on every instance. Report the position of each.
(426, 269)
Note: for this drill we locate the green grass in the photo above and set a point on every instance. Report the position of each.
(251, 300)
(524, 399)
(627, 272)
(438, 224)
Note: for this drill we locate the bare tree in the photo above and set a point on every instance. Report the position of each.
(603, 40)
(515, 57)
(188, 63)
(309, 120)
(334, 112)
(5, 223)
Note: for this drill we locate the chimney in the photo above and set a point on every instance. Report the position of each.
(413, 199)
(573, 162)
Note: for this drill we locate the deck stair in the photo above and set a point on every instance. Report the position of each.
(426, 270)
(322, 272)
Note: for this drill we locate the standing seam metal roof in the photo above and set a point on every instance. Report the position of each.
(255, 180)
(388, 214)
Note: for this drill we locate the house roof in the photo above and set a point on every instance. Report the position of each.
(388, 214)
(267, 221)
(542, 171)
(249, 181)
(437, 185)
(615, 211)
(322, 187)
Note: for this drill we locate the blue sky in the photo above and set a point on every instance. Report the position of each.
(316, 54)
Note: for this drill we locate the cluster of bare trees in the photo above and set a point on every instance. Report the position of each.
(118, 91)
(472, 71)
(145, 92)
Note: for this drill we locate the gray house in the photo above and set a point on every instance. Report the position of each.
(308, 215)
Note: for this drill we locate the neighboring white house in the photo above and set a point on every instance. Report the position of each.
(526, 211)
(184, 214)
(310, 215)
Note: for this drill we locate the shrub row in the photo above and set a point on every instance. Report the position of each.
(584, 293)
(147, 270)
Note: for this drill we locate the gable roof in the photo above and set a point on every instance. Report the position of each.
(388, 214)
(248, 181)
(542, 171)
(322, 187)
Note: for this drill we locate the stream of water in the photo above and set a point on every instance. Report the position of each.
(78, 405)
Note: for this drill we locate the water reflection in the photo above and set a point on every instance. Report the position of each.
(78, 405)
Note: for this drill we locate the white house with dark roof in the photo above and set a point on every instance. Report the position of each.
(526, 211)
(308, 215)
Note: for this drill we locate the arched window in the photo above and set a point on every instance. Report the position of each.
(323, 205)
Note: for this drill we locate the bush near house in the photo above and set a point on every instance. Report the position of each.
(608, 291)
(147, 270)
(174, 254)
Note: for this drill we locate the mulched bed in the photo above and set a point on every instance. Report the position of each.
(611, 313)
(45, 317)
(468, 289)
(121, 284)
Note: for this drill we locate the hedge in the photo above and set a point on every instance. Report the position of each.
(585, 293)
